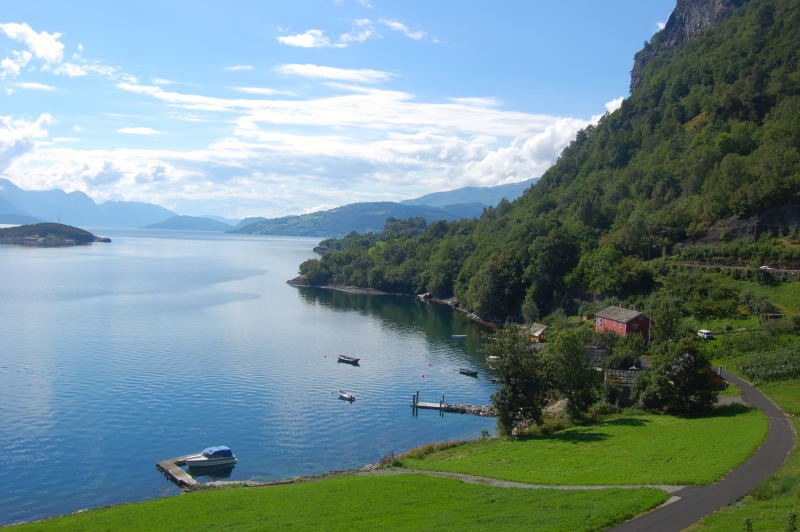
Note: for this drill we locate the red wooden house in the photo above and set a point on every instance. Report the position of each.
(622, 321)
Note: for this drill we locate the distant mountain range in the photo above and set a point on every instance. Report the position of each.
(74, 208)
(191, 223)
(18, 206)
(467, 202)
(488, 196)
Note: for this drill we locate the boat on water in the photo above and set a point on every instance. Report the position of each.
(347, 359)
(468, 372)
(346, 396)
(212, 457)
(458, 336)
(491, 359)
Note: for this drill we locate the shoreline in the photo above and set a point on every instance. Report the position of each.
(451, 302)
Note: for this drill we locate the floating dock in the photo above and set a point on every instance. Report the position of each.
(456, 408)
(172, 470)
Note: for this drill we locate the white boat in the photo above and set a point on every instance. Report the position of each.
(346, 396)
(211, 457)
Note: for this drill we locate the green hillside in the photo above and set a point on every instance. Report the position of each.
(364, 217)
(706, 147)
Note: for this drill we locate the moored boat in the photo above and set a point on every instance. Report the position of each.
(468, 372)
(458, 336)
(347, 359)
(212, 457)
(491, 359)
(346, 396)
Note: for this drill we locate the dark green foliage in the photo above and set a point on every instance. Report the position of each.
(680, 382)
(526, 386)
(626, 351)
(570, 372)
(710, 134)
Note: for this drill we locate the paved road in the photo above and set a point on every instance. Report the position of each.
(697, 502)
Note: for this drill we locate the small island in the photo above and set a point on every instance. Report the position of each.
(48, 235)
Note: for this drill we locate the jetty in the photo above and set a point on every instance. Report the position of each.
(172, 470)
(456, 408)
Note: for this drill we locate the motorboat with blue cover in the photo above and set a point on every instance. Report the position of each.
(212, 456)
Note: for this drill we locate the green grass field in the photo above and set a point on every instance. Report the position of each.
(403, 502)
(784, 295)
(769, 504)
(636, 449)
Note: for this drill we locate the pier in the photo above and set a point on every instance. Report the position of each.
(172, 470)
(456, 408)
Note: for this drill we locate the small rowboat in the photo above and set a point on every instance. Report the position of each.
(347, 360)
(468, 372)
(493, 359)
(346, 396)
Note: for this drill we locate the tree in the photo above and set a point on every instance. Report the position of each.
(680, 382)
(526, 387)
(570, 372)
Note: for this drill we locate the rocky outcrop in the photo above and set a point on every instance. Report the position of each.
(690, 18)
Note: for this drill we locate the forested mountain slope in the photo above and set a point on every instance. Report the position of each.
(710, 133)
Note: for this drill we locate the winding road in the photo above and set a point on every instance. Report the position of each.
(695, 502)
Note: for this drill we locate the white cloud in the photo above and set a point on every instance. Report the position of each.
(363, 31)
(402, 28)
(362, 75)
(237, 68)
(661, 25)
(18, 137)
(365, 3)
(35, 86)
(139, 131)
(66, 139)
(614, 104)
(43, 45)
(162, 81)
(257, 90)
(12, 66)
(310, 39)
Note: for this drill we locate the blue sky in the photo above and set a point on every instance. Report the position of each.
(256, 108)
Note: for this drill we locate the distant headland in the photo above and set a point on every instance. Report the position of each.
(48, 235)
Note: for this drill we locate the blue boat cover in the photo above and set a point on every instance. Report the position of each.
(218, 451)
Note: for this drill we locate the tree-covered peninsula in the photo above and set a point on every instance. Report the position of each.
(48, 234)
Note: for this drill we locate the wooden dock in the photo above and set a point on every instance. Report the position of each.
(172, 470)
(456, 408)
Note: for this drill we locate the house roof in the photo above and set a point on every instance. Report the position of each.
(620, 314)
(537, 328)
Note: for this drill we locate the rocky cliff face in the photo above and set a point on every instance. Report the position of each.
(689, 18)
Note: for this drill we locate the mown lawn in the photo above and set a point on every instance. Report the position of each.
(634, 449)
(770, 504)
(403, 502)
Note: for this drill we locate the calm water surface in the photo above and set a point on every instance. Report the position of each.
(115, 356)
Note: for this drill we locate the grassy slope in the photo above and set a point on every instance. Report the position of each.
(641, 449)
(784, 295)
(408, 502)
(770, 503)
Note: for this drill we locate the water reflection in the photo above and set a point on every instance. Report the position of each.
(404, 313)
(205, 474)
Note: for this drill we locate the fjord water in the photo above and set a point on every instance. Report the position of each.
(115, 356)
